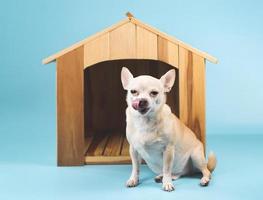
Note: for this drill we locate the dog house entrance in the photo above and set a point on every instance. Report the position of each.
(105, 104)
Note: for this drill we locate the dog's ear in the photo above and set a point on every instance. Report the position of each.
(126, 77)
(168, 80)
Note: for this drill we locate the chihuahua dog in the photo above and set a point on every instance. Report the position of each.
(157, 136)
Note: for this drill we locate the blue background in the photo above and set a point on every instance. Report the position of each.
(32, 30)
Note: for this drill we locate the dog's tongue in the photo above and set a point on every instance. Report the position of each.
(135, 104)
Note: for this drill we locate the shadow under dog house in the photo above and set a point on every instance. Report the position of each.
(90, 98)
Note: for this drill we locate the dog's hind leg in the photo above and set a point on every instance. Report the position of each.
(200, 163)
(159, 178)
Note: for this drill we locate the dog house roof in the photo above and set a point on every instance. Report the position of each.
(130, 19)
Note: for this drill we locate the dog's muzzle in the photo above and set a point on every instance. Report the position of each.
(141, 105)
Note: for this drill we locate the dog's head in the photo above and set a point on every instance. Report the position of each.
(146, 94)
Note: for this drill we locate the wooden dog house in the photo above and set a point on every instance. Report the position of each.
(91, 101)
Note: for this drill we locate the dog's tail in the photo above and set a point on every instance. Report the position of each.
(211, 163)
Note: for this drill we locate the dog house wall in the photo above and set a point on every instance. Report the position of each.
(129, 39)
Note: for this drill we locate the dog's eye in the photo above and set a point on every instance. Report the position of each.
(134, 92)
(153, 93)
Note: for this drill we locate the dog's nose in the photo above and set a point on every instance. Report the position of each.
(143, 103)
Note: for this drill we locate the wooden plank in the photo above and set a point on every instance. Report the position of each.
(107, 160)
(125, 148)
(82, 42)
(104, 114)
(167, 51)
(113, 147)
(96, 50)
(97, 146)
(192, 92)
(135, 22)
(70, 112)
(101, 146)
(175, 40)
(198, 113)
(185, 85)
(122, 42)
(87, 143)
(146, 44)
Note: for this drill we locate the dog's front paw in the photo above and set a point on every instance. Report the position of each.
(132, 182)
(168, 186)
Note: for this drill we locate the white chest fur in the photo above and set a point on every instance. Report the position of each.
(149, 140)
(150, 146)
(147, 133)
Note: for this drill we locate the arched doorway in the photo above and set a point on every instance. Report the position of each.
(105, 104)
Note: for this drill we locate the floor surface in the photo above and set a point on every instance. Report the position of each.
(28, 171)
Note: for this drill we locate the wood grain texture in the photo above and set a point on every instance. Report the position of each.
(106, 144)
(98, 145)
(107, 160)
(104, 114)
(87, 143)
(105, 148)
(82, 42)
(96, 50)
(113, 147)
(174, 40)
(70, 117)
(146, 44)
(198, 113)
(192, 92)
(134, 22)
(185, 84)
(125, 147)
(168, 52)
(101, 146)
(122, 42)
